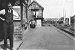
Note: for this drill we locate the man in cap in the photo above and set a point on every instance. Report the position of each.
(8, 26)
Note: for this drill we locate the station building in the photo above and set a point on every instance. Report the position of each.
(24, 13)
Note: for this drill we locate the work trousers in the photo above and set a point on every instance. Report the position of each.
(8, 34)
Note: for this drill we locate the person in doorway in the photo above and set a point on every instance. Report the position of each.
(32, 24)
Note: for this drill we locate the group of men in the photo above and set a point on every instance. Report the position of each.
(6, 20)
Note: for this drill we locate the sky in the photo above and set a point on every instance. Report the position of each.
(74, 6)
(57, 8)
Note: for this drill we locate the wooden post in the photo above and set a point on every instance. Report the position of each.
(21, 6)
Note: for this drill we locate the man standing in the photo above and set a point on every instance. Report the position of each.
(8, 26)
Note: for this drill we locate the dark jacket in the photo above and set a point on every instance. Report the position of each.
(3, 5)
(1, 29)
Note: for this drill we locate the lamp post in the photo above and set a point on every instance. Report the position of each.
(26, 4)
(26, 7)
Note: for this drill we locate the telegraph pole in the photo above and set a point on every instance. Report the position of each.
(64, 12)
(69, 20)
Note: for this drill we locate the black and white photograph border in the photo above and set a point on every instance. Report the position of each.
(37, 24)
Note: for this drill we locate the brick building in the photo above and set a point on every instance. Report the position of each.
(35, 11)
(24, 13)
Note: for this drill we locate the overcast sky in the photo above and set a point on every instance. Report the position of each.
(74, 7)
(55, 8)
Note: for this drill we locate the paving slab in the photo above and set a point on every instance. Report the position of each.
(48, 38)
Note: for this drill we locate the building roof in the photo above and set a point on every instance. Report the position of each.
(73, 16)
(36, 4)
